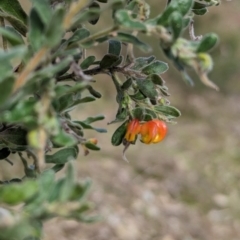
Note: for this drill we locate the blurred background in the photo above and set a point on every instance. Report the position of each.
(188, 186)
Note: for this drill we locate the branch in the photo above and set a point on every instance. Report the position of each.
(31, 66)
(97, 70)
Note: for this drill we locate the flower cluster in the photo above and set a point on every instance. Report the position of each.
(152, 131)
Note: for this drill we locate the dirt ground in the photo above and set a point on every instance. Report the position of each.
(185, 188)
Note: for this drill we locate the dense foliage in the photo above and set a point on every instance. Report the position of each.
(46, 72)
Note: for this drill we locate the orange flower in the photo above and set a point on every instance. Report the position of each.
(153, 131)
(133, 129)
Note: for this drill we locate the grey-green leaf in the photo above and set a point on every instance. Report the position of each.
(168, 111)
(176, 23)
(109, 61)
(95, 6)
(54, 29)
(114, 47)
(44, 10)
(62, 156)
(142, 61)
(14, 13)
(125, 37)
(87, 62)
(156, 79)
(77, 36)
(124, 19)
(6, 87)
(10, 34)
(157, 67)
(147, 88)
(36, 36)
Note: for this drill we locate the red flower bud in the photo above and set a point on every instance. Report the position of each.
(153, 131)
(133, 129)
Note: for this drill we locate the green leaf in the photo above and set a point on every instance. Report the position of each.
(36, 36)
(138, 113)
(58, 167)
(87, 62)
(62, 156)
(207, 42)
(121, 115)
(140, 62)
(138, 96)
(81, 190)
(127, 84)
(164, 91)
(176, 23)
(16, 193)
(157, 67)
(156, 79)
(164, 17)
(118, 62)
(125, 37)
(77, 36)
(23, 111)
(92, 146)
(147, 88)
(200, 11)
(94, 119)
(46, 182)
(63, 140)
(185, 6)
(114, 47)
(16, 52)
(119, 134)
(88, 15)
(95, 6)
(13, 8)
(4, 153)
(6, 87)
(182, 6)
(16, 136)
(13, 12)
(54, 30)
(88, 126)
(84, 100)
(5, 70)
(168, 111)
(186, 21)
(93, 92)
(43, 9)
(13, 37)
(108, 61)
(67, 187)
(125, 20)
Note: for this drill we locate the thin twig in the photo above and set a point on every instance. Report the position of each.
(10, 162)
(191, 32)
(35, 160)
